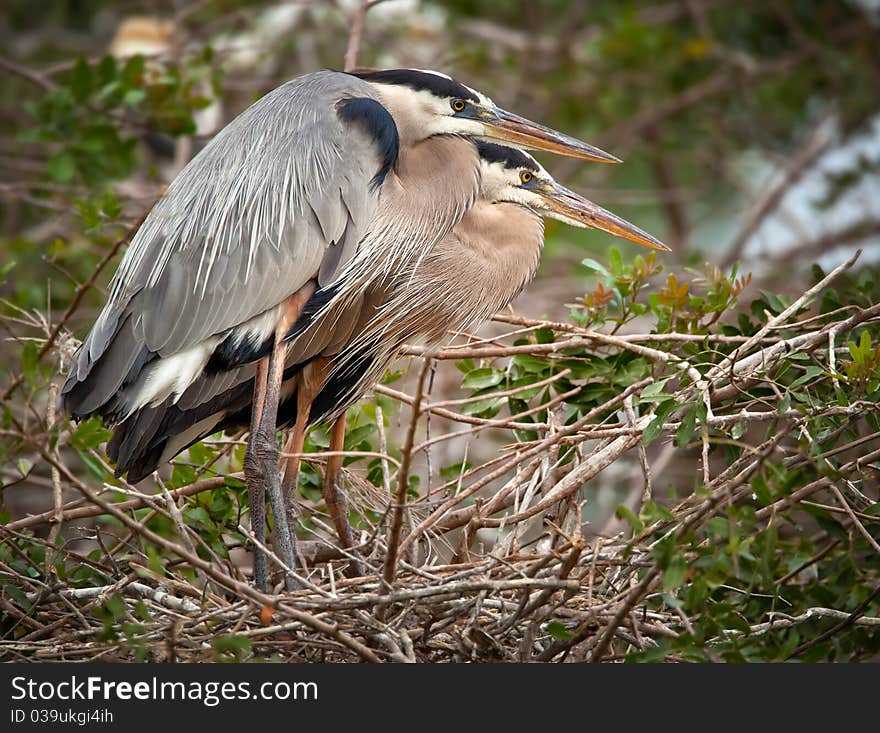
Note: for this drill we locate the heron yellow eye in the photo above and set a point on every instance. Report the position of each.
(525, 177)
(458, 105)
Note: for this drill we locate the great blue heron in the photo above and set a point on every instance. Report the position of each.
(476, 270)
(472, 273)
(330, 165)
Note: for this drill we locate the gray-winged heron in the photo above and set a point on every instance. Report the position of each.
(373, 167)
(479, 267)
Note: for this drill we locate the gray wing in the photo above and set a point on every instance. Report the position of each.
(280, 193)
(155, 434)
(250, 219)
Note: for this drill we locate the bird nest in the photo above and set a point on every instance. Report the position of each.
(743, 468)
(557, 604)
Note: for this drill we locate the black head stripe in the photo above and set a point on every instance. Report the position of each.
(508, 157)
(440, 86)
(378, 123)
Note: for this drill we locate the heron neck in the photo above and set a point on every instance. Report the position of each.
(449, 161)
(506, 238)
(432, 185)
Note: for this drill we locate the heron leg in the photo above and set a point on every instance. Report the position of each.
(255, 482)
(261, 458)
(265, 454)
(312, 380)
(334, 497)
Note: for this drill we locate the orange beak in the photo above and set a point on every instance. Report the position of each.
(510, 128)
(574, 209)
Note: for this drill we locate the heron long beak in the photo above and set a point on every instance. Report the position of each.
(510, 128)
(574, 209)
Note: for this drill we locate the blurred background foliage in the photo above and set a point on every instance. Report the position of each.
(740, 121)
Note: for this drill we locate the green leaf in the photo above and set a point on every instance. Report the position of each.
(718, 526)
(133, 97)
(762, 492)
(530, 364)
(95, 467)
(482, 378)
(116, 606)
(61, 167)
(89, 434)
(809, 375)
(106, 69)
(134, 69)
(181, 475)
(199, 517)
(483, 408)
(29, 358)
(359, 435)
(653, 389)
(391, 376)
(615, 261)
(557, 630)
(686, 429)
(590, 263)
(455, 470)
(544, 336)
(738, 430)
(655, 427)
(220, 505)
(155, 563)
(237, 647)
(625, 513)
(652, 512)
(652, 432)
(81, 80)
(784, 405)
(18, 596)
(777, 305)
(674, 574)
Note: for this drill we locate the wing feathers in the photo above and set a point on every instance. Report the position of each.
(243, 226)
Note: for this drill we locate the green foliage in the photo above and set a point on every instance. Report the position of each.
(683, 306)
(93, 115)
(231, 648)
(736, 571)
(727, 576)
(864, 369)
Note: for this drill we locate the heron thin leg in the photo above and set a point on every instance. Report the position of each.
(312, 381)
(261, 458)
(296, 441)
(255, 483)
(334, 497)
(265, 454)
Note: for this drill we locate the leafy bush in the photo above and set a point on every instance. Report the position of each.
(769, 552)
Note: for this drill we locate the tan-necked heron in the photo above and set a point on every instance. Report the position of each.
(370, 167)
(476, 270)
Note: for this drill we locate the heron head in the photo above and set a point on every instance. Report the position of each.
(426, 103)
(512, 176)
